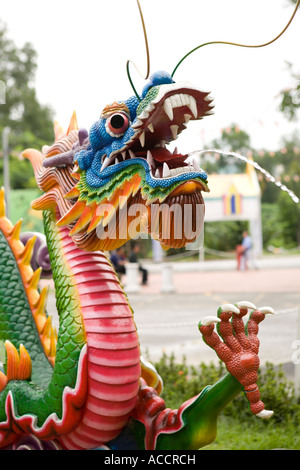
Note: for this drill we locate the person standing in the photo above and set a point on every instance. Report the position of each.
(133, 258)
(245, 251)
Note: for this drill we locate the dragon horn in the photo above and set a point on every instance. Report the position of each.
(73, 123)
(15, 234)
(58, 131)
(2, 203)
(74, 213)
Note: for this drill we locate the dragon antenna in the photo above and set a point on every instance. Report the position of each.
(237, 44)
(147, 52)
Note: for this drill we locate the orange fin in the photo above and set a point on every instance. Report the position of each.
(73, 126)
(37, 300)
(18, 367)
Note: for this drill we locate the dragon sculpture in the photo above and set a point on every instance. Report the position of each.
(86, 387)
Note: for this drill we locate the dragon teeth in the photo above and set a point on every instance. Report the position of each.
(169, 109)
(144, 115)
(166, 170)
(187, 118)
(150, 159)
(174, 130)
(105, 164)
(160, 172)
(137, 124)
(179, 100)
(117, 159)
(193, 106)
(142, 139)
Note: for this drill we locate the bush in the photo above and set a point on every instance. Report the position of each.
(182, 382)
(224, 236)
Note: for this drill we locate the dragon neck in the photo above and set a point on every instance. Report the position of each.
(85, 283)
(93, 311)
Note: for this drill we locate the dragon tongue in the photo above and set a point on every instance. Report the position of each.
(164, 155)
(161, 154)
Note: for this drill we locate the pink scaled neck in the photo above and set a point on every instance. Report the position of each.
(112, 348)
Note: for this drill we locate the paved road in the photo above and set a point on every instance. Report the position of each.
(168, 322)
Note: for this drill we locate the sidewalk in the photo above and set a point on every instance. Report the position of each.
(169, 322)
(266, 262)
(274, 274)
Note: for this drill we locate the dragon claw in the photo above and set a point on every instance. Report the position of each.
(245, 304)
(266, 310)
(209, 320)
(265, 414)
(237, 345)
(228, 308)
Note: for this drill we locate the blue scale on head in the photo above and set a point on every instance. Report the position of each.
(102, 145)
(98, 180)
(158, 78)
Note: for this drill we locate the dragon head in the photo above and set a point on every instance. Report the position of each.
(119, 179)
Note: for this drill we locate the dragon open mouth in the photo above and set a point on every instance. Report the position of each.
(159, 123)
(88, 177)
(162, 163)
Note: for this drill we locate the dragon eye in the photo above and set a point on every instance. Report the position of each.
(117, 124)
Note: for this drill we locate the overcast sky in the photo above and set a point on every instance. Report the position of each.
(83, 48)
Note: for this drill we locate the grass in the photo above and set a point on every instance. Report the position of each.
(238, 428)
(234, 435)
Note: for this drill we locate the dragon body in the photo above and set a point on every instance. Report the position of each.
(86, 385)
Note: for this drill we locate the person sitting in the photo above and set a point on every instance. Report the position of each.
(133, 258)
(118, 259)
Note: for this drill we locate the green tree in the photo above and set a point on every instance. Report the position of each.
(224, 236)
(290, 97)
(232, 139)
(280, 214)
(289, 216)
(30, 123)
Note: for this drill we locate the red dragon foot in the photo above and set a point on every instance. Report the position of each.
(240, 346)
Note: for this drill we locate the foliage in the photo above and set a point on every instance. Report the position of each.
(290, 97)
(181, 382)
(280, 214)
(20, 172)
(30, 123)
(289, 216)
(234, 435)
(238, 428)
(22, 112)
(272, 227)
(20, 208)
(224, 236)
(232, 139)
